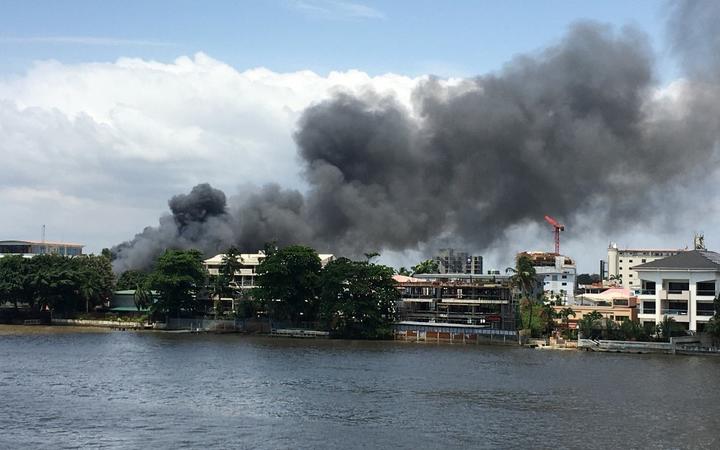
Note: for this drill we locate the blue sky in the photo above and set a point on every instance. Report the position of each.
(457, 38)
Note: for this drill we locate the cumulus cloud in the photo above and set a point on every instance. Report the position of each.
(111, 142)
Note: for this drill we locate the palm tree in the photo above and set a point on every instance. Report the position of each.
(565, 313)
(427, 266)
(143, 297)
(666, 327)
(524, 279)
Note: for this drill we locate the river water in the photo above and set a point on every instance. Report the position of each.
(72, 389)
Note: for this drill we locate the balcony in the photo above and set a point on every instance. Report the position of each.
(705, 312)
(647, 292)
(674, 312)
(675, 294)
(705, 293)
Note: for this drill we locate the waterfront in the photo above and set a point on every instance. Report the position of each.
(130, 390)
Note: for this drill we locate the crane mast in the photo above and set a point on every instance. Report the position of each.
(557, 228)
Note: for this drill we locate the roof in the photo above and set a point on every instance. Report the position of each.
(404, 279)
(685, 260)
(21, 242)
(253, 259)
(608, 295)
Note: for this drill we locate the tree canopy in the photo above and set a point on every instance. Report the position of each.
(288, 282)
(357, 299)
(177, 278)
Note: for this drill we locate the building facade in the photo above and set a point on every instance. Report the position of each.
(29, 249)
(450, 260)
(472, 300)
(246, 275)
(682, 286)
(621, 263)
(557, 273)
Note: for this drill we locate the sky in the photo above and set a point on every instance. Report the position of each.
(107, 109)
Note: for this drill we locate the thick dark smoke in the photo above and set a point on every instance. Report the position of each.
(579, 126)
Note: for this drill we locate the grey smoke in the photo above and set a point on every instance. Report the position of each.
(574, 128)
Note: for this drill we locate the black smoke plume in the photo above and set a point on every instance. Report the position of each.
(580, 126)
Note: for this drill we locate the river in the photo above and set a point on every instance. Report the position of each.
(68, 389)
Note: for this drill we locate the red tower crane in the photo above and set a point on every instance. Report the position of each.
(557, 228)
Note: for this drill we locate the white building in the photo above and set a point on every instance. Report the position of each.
(29, 249)
(245, 276)
(621, 263)
(557, 272)
(681, 286)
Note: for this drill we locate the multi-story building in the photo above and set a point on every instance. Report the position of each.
(450, 260)
(466, 300)
(682, 286)
(556, 272)
(621, 263)
(29, 249)
(245, 275)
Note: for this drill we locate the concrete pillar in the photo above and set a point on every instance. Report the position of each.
(658, 299)
(692, 303)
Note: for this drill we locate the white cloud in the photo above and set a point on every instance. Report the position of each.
(102, 146)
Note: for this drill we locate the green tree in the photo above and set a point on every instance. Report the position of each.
(287, 283)
(12, 279)
(357, 299)
(427, 266)
(632, 330)
(404, 272)
(565, 314)
(524, 279)
(94, 279)
(713, 326)
(231, 264)
(176, 279)
(131, 279)
(668, 328)
(586, 278)
(589, 325)
(143, 297)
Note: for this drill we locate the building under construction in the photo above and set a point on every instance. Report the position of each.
(557, 273)
(480, 301)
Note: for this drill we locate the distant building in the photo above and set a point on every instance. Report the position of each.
(619, 306)
(29, 249)
(556, 272)
(682, 286)
(450, 260)
(245, 276)
(621, 263)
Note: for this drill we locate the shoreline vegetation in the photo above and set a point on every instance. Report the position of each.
(344, 299)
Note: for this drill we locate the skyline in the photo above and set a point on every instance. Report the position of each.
(107, 126)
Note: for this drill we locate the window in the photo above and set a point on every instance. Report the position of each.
(564, 277)
(564, 284)
(630, 260)
(630, 275)
(675, 287)
(554, 277)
